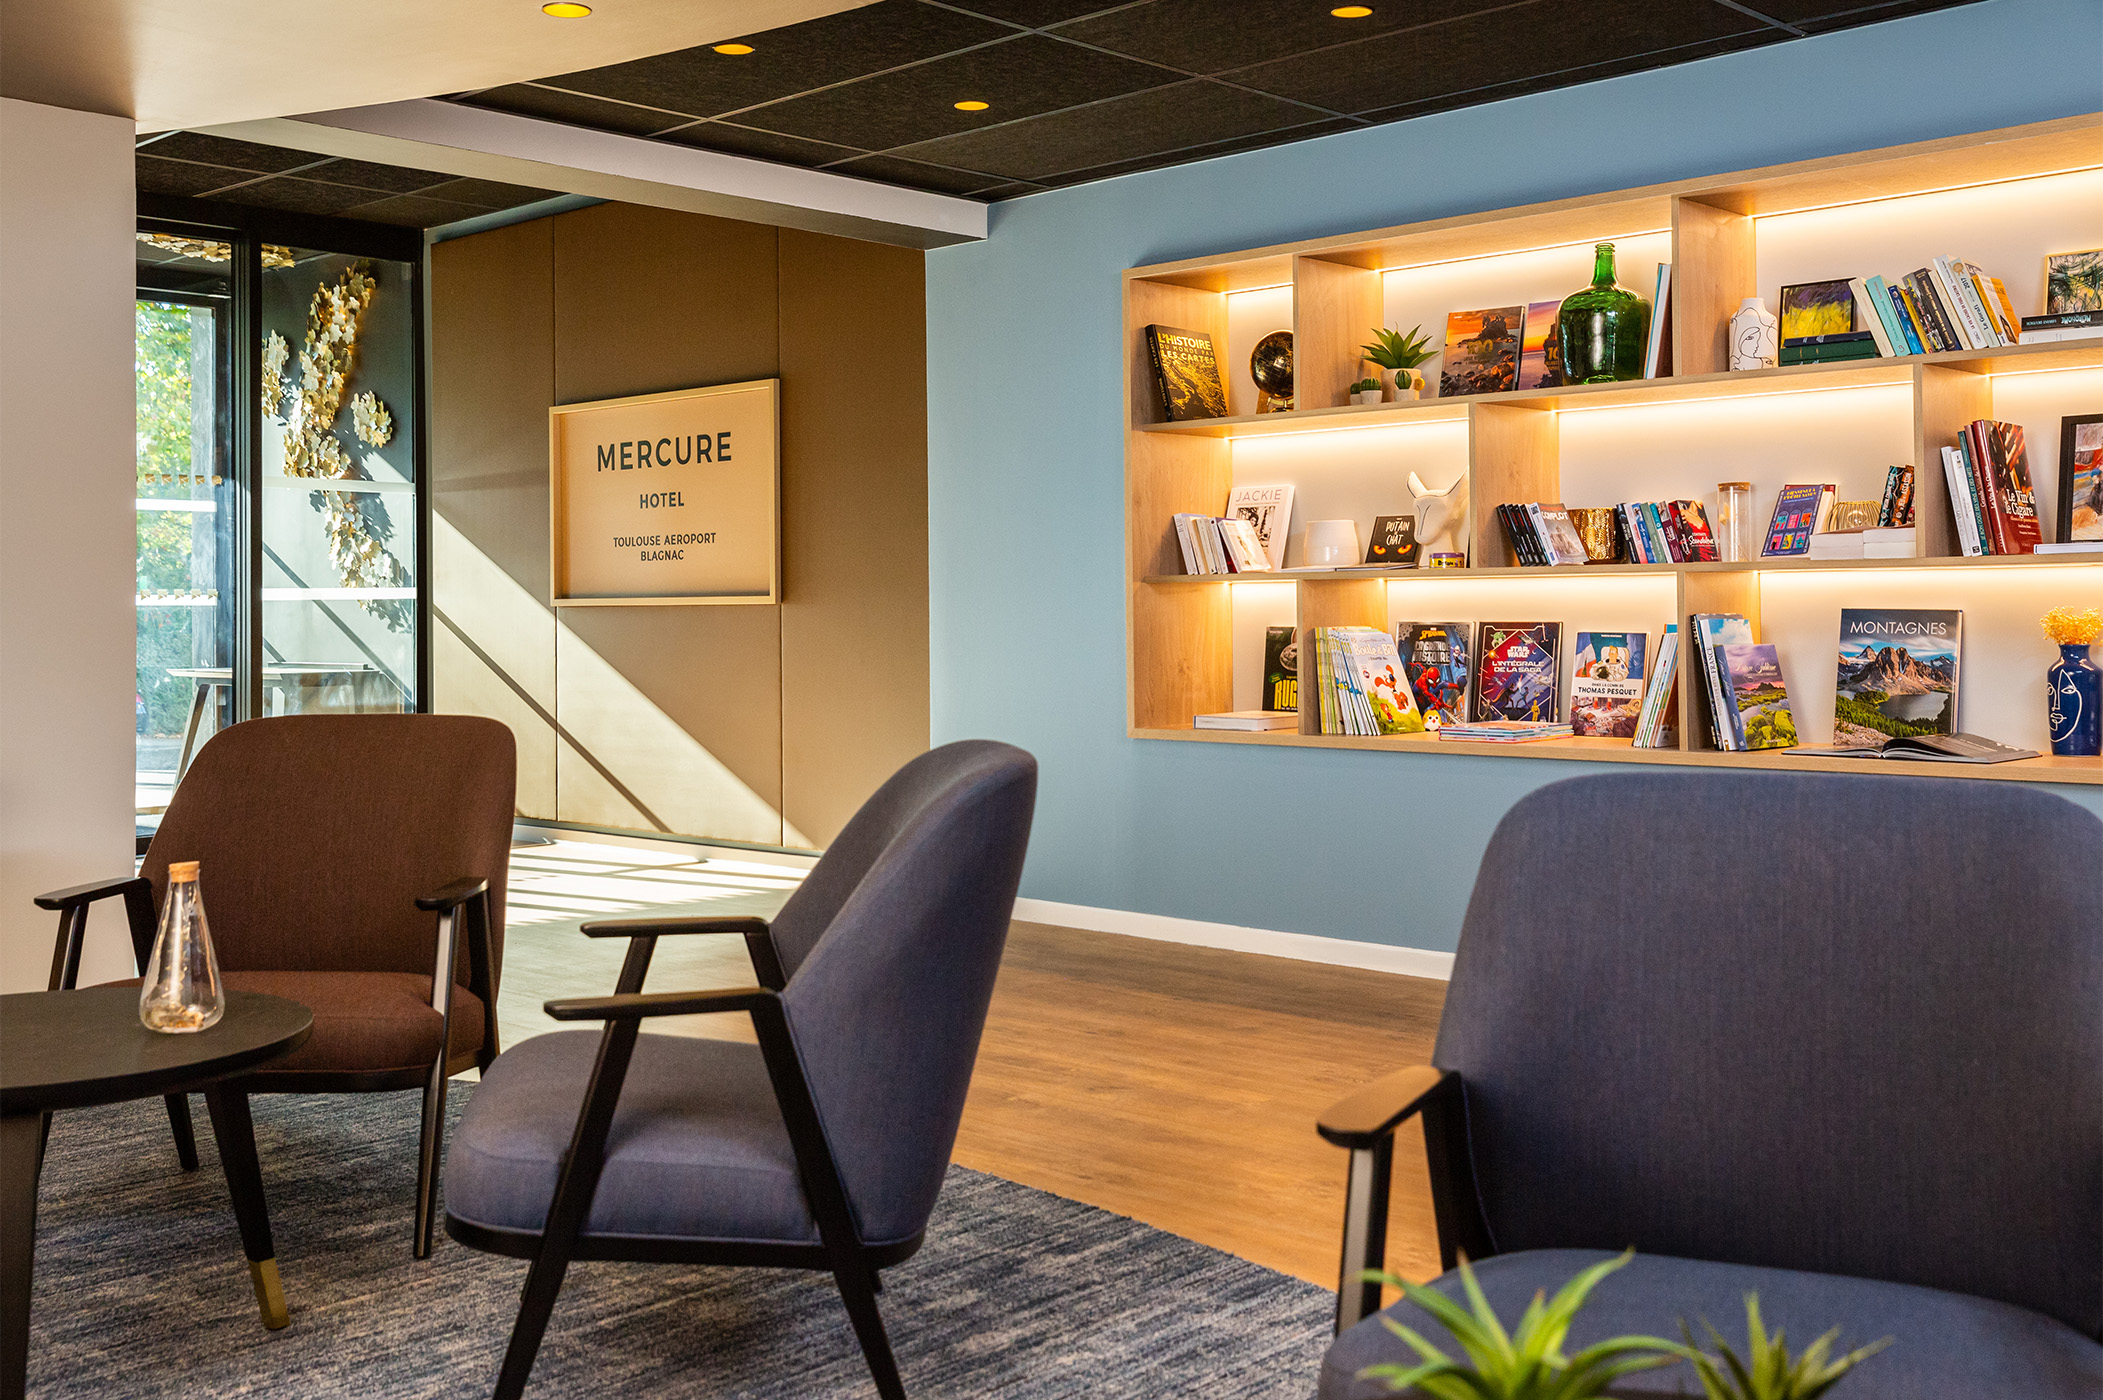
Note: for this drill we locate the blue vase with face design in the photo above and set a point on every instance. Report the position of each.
(2076, 702)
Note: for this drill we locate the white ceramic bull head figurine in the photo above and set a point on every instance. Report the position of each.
(1440, 516)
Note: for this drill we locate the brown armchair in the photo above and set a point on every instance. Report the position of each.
(328, 843)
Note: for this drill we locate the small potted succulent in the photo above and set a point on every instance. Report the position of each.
(1397, 357)
(1365, 391)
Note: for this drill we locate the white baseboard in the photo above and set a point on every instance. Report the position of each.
(1306, 947)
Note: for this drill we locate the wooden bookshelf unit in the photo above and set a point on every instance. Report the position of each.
(2003, 199)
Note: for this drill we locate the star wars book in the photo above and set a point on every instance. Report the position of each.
(1435, 658)
(1519, 672)
(1186, 373)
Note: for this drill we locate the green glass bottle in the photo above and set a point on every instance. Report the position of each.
(1604, 328)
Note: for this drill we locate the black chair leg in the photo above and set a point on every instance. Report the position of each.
(428, 1149)
(858, 1289)
(185, 1135)
(535, 1306)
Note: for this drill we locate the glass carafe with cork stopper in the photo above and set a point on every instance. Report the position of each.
(181, 991)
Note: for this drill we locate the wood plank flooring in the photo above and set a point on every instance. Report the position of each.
(1172, 1084)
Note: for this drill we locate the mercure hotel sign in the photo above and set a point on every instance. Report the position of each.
(667, 498)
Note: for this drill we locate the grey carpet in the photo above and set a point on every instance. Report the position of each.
(141, 1290)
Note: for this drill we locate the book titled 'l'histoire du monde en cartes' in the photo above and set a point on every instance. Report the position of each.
(1186, 373)
(1897, 674)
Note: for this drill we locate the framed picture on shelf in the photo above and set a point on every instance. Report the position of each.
(2074, 282)
(2081, 478)
(1817, 308)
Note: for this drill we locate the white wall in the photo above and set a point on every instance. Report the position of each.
(67, 533)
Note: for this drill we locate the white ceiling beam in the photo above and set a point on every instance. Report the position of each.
(454, 139)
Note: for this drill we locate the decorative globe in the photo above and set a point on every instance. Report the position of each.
(1270, 364)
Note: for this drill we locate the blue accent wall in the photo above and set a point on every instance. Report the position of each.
(1026, 450)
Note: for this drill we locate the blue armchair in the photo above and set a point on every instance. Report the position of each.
(1836, 1040)
(824, 1146)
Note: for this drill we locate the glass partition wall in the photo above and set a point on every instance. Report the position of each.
(280, 515)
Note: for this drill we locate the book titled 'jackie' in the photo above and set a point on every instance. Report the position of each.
(1518, 674)
(1186, 373)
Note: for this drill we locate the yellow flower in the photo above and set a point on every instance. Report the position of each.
(2070, 628)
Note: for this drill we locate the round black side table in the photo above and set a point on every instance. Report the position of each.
(75, 1049)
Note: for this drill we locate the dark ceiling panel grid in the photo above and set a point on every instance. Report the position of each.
(1077, 90)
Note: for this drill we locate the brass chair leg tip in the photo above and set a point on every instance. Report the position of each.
(270, 1293)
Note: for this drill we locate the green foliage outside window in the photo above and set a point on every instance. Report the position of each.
(163, 418)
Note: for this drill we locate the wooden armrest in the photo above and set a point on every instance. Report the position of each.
(87, 894)
(453, 895)
(631, 1005)
(637, 928)
(1370, 1113)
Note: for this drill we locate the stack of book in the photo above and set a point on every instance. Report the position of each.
(1503, 731)
(1991, 496)
(1666, 532)
(1948, 305)
(1656, 725)
(1361, 683)
(1860, 543)
(1870, 529)
(1212, 545)
(1742, 680)
(1541, 533)
(1828, 349)
(2067, 325)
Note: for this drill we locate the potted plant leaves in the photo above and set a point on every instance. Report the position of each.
(1397, 357)
(1365, 391)
(1766, 1372)
(1526, 1363)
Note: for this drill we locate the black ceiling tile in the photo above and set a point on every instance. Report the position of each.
(525, 100)
(489, 194)
(183, 178)
(765, 145)
(789, 60)
(1188, 113)
(1825, 16)
(1020, 78)
(1039, 14)
(1548, 82)
(218, 150)
(1013, 189)
(414, 211)
(1510, 45)
(298, 196)
(1212, 36)
(1082, 175)
(919, 175)
(393, 179)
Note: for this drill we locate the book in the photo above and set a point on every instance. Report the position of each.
(1895, 508)
(1186, 374)
(1557, 531)
(1759, 712)
(1518, 671)
(1887, 313)
(1852, 338)
(1866, 314)
(1654, 349)
(1941, 319)
(1197, 559)
(1254, 721)
(1901, 318)
(1393, 541)
(1654, 724)
(1482, 351)
(2094, 546)
(1690, 520)
(1245, 546)
(2087, 322)
(1281, 669)
(1798, 512)
(1897, 674)
(1712, 632)
(1503, 731)
(1916, 315)
(1934, 748)
(1541, 347)
(1435, 658)
(2011, 499)
(1832, 353)
(1864, 544)
(1527, 549)
(2048, 337)
(1269, 510)
(1606, 684)
(1951, 286)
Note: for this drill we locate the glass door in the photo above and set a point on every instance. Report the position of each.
(187, 603)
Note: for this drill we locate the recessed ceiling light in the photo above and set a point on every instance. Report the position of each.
(1352, 11)
(565, 9)
(733, 48)
(973, 106)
